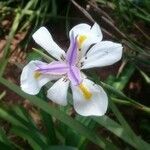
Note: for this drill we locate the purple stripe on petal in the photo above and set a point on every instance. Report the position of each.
(53, 68)
(72, 51)
(74, 75)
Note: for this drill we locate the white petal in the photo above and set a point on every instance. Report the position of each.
(45, 40)
(58, 92)
(96, 106)
(85, 29)
(29, 83)
(93, 35)
(80, 29)
(95, 30)
(102, 54)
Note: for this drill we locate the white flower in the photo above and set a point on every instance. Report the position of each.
(86, 51)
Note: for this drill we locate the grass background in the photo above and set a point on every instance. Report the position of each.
(27, 122)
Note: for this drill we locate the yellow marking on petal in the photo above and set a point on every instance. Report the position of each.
(86, 93)
(37, 75)
(81, 39)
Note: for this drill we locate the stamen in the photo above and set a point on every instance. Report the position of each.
(81, 39)
(86, 93)
(37, 74)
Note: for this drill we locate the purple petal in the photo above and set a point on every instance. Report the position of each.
(55, 67)
(74, 75)
(72, 51)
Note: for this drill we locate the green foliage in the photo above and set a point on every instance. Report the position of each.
(58, 129)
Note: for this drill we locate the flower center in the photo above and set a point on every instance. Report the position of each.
(37, 75)
(86, 93)
(81, 39)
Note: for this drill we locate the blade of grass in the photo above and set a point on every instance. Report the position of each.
(21, 112)
(48, 122)
(43, 54)
(50, 130)
(2, 95)
(139, 142)
(115, 128)
(5, 147)
(141, 145)
(144, 75)
(70, 122)
(45, 9)
(61, 147)
(119, 116)
(35, 142)
(18, 17)
(16, 120)
(54, 8)
(4, 139)
(123, 78)
(118, 93)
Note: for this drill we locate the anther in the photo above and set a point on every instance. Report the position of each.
(37, 75)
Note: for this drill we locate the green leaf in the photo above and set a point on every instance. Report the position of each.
(34, 141)
(5, 146)
(121, 81)
(121, 95)
(112, 91)
(48, 122)
(61, 147)
(140, 144)
(115, 128)
(22, 113)
(33, 56)
(2, 94)
(16, 120)
(75, 125)
(4, 139)
(72, 138)
(145, 76)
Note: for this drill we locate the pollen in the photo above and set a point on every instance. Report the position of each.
(85, 91)
(37, 74)
(81, 39)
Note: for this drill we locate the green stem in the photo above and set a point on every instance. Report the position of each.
(122, 96)
(43, 54)
(133, 104)
(2, 94)
(40, 14)
(18, 17)
(6, 50)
